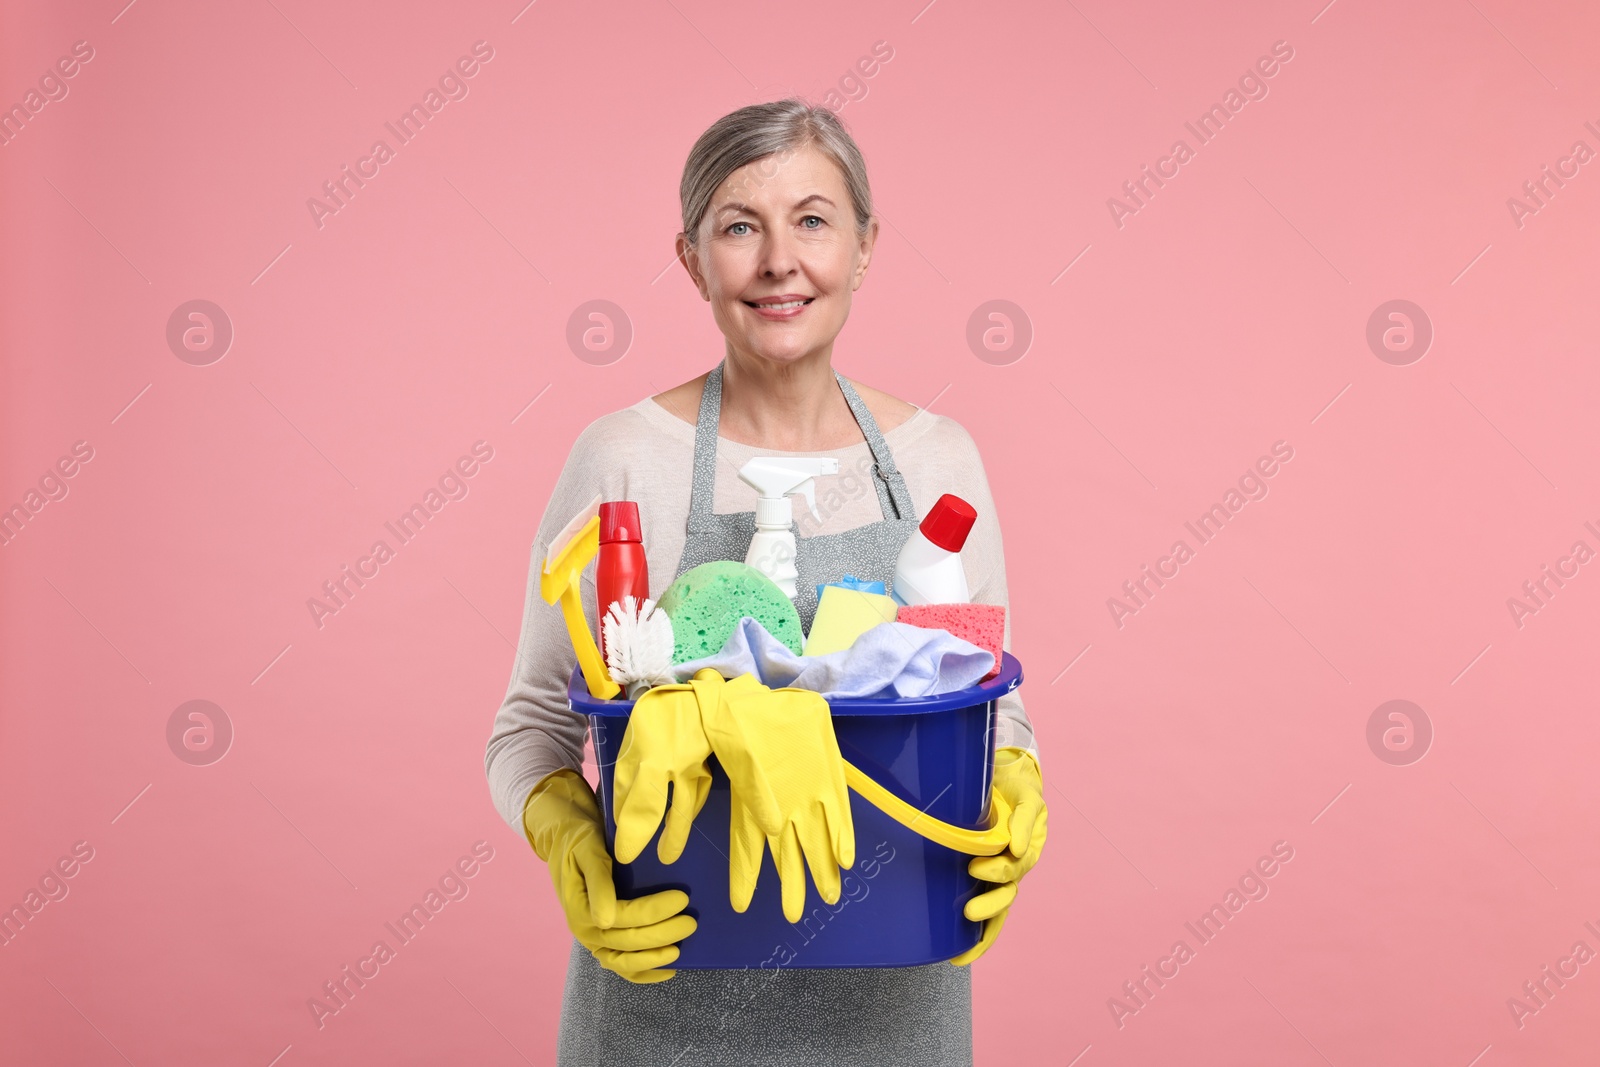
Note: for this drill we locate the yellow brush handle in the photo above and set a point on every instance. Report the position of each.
(560, 581)
(990, 842)
(601, 687)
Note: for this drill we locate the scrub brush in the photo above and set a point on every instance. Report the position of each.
(638, 645)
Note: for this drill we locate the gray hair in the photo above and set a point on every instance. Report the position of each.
(776, 129)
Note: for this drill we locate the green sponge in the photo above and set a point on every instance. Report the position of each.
(706, 603)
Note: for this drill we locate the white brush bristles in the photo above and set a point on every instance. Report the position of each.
(638, 645)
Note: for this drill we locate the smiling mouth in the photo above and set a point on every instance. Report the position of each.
(781, 307)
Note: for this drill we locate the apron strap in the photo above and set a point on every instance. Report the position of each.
(893, 496)
(705, 452)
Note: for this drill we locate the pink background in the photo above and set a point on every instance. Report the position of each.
(1229, 313)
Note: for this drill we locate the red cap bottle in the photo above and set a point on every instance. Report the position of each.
(947, 525)
(619, 521)
(620, 569)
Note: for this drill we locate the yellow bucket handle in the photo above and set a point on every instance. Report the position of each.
(990, 842)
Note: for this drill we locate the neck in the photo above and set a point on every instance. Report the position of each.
(788, 407)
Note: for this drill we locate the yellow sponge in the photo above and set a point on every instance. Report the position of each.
(844, 615)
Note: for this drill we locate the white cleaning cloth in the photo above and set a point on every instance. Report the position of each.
(892, 658)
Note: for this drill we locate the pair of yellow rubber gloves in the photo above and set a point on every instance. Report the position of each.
(787, 793)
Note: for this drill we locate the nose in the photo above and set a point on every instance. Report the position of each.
(778, 258)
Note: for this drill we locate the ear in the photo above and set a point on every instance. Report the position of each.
(864, 253)
(690, 258)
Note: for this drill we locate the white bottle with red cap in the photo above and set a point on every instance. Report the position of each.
(929, 570)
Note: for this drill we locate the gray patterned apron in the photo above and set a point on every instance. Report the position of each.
(879, 1016)
(869, 552)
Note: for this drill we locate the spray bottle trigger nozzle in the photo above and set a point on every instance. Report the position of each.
(810, 491)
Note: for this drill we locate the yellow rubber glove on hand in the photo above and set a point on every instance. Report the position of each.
(634, 938)
(666, 745)
(787, 792)
(1018, 780)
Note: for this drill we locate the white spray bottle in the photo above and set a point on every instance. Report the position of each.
(772, 549)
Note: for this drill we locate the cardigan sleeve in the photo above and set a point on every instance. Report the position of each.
(535, 731)
(985, 562)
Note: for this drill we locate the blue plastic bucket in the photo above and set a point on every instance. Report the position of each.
(901, 902)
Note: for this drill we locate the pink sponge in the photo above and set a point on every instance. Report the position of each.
(983, 625)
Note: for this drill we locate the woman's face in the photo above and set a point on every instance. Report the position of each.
(781, 227)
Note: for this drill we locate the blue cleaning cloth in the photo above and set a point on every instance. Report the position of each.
(850, 581)
(892, 658)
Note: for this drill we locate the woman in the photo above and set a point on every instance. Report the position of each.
(778, 233)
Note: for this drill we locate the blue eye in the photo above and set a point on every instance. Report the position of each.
(808, 218)
(730, 228)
